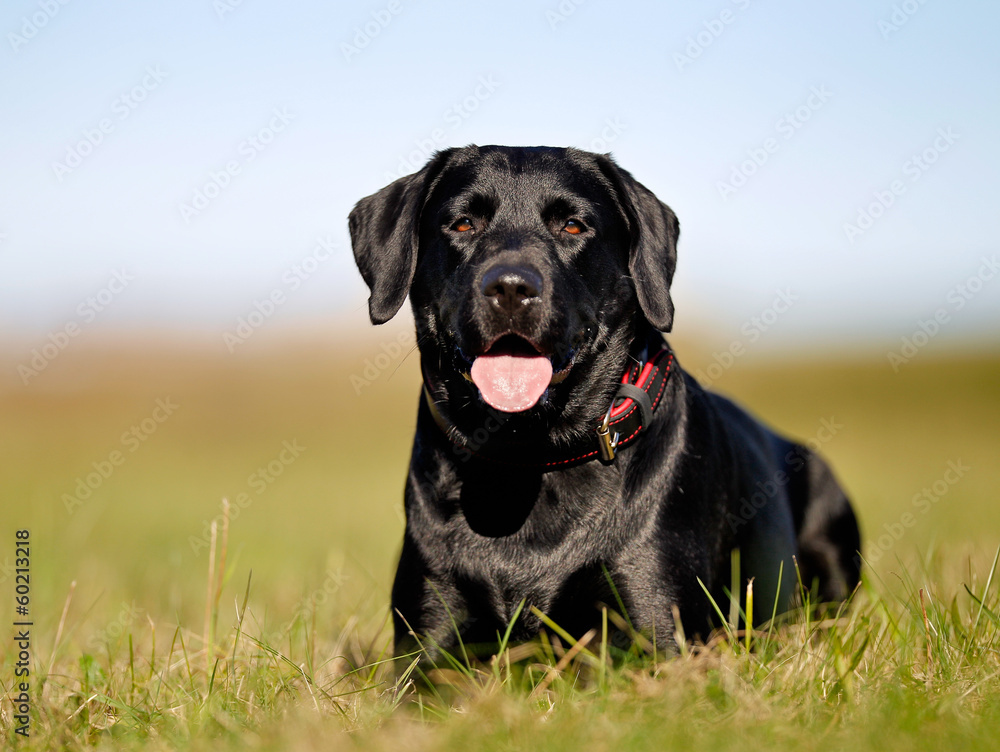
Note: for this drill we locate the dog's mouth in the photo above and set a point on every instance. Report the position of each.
(513, 374)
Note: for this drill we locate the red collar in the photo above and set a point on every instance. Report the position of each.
(629, 414)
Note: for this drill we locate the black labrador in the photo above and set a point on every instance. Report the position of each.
(562, 459)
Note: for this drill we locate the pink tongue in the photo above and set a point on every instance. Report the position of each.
(511, 383)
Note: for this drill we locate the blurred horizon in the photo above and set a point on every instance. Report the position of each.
(719, 359)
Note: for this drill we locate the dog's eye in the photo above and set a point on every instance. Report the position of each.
(462, 225)
(573, 227)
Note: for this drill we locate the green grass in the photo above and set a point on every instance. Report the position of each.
(299, 659)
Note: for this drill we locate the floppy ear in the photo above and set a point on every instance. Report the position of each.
(385, 229)
(654, 230)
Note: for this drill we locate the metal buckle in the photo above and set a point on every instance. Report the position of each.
(606, 443)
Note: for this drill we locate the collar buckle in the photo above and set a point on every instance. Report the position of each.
(606, 442)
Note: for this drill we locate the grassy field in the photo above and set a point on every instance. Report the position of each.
(117, 458)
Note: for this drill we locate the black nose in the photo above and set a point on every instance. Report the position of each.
(510, 287)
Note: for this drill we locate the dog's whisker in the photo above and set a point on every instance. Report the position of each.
(416, 346)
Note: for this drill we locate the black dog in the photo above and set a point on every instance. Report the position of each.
(562, 458)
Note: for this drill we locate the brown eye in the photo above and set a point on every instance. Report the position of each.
(462, 225)
(573, 227)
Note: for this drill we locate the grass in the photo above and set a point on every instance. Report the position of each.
(271, 633)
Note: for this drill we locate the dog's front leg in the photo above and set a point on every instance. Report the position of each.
(427, 608)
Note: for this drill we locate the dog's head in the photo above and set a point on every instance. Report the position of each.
(530, 272)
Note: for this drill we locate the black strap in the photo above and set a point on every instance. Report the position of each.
(640, 397)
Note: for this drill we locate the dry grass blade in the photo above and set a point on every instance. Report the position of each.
(59, 632)
(554, 671)
(210, 597)
(927, 638)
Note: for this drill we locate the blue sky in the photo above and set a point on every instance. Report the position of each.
(767, 126)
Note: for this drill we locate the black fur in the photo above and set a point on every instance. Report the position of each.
(481, 536)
